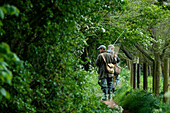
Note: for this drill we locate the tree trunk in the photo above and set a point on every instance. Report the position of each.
(128, 64)
(131, 73)
(139, 70)
(138, 76)
(145, 76)
(158, 73)
(134, 75)
(150, 72)
(166, 78)
(154, 77)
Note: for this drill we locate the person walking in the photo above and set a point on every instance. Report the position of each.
(117, 59)
(105, 78)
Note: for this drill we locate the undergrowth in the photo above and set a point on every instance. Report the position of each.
(138, 101)
(93, 95)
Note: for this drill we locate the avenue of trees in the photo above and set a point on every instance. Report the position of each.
(48, 49)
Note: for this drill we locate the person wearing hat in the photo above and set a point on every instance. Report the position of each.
(117, 59)
(105, 78)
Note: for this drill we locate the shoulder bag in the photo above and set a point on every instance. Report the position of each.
(109, 66)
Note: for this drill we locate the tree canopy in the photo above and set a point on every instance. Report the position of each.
(49, 47)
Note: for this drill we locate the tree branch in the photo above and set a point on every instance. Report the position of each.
(127, 53)
(164, 50)
(143, 52)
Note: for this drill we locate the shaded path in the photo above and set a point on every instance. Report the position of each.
(112, 104)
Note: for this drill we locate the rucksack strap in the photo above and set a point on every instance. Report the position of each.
(104, 58)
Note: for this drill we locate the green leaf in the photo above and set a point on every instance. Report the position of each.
(2, 79)
(4, 64)
(15, 10)
(1, 24)
(1, 14)
(4, 48)
(5, 93)
(4, 74)
(16, 58)
(11, 9)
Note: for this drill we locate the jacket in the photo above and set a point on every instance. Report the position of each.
(117, 59)
(103, 73)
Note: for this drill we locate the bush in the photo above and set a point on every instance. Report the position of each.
(8, 61)
(124, 76)
(139, 101)
(82, 94)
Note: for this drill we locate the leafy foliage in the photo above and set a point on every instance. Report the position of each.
(4, 10)
(49, 37)
(8, 60)
(54, 39)
(138, 101)
(124, 76)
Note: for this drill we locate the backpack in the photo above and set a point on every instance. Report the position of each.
(117, 69)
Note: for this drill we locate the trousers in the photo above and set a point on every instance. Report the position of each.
(106, 85)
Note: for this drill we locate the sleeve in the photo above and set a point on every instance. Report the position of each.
(118, 59)
(98, 60)
(113, 60)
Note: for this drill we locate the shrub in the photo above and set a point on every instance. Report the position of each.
(137, 101)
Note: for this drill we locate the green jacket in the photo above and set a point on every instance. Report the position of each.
(103, 73)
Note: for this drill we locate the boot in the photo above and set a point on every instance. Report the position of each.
(110, 97)
(104, 98)
(113, 90)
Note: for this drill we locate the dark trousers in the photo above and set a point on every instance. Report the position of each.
(106, 85)
(115, 80)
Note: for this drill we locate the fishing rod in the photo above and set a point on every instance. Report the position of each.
(119, 36)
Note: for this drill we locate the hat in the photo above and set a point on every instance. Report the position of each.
(110, 46)
(102, 46)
